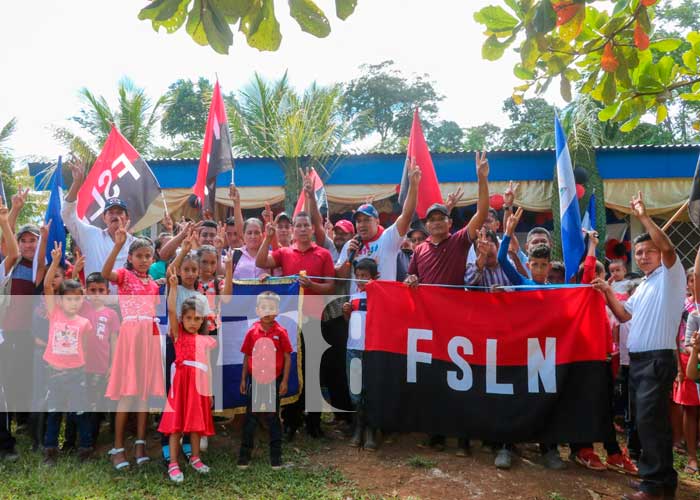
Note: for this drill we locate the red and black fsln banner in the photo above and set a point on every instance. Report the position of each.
(526, 366)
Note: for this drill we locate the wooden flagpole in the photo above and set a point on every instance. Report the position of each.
(675, 216)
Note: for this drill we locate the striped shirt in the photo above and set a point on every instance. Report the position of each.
(490, 277)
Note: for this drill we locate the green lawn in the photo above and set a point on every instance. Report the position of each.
(301, 479)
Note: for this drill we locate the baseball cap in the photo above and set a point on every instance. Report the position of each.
(345, 226)
(115, 202)
(367, 210)
(28, 228)
(283, 215)
(418, 227)
(437, 207)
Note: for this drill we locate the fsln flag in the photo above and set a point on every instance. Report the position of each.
(588, 222)
(217, 155)
(57, 231)
(118, 172)
(694, 199)
(571, 236)
(429, 189)
(319, 193)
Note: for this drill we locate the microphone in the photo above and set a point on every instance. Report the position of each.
(351, 255)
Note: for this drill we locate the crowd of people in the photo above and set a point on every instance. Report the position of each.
(79, 344)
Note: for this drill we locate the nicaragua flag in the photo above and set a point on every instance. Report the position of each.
(236, 318)
(588, 222)
(571, 236)
(57, 231)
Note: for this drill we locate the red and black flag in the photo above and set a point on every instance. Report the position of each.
(694, 198)
(429, 189)
(217, 155)
(118, 172)
(319, 192)
(527, 366)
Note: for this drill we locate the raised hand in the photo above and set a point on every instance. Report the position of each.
(270, 230)
(20, 198)
(638, 207)
(308, 185)
(79, 262)
(120, 235)
(44, 230)
(172, 279)
(167, 223)
(77, 170)
(453, 198)
(267, 214)
(482, 165)
(233, 194)
(57, 251)
(4, 211)
(328, 227)
(208, 215)
(513, 221)
(509, 194)
(593, 238)
(414, 173)
(220, 239)
(228, 257)
(482, 244)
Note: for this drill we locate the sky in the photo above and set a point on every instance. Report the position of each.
(49, 49)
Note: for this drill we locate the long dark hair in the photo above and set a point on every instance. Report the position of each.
(137, 244)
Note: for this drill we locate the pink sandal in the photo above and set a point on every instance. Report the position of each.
(198, 465)
(175, 474)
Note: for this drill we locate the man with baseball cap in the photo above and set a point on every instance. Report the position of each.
(96, 243)
(381, 245)
(442, 258)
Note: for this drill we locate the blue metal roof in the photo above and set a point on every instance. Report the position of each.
(631, 162)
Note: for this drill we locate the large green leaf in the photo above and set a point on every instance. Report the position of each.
(195, 24)
(690, 97)
(311, 19)
(529, 53)
(522, 73)
(217, 29)
(261, 27)
(231, 10)
(565, 89)
(631, 124)
(170, 14)
(344, 8)
(608, 112)
(545, 17)
(496, 19)
(609, 89)
(492, 49)
(691, 61)
(661, 113)
(666, 45)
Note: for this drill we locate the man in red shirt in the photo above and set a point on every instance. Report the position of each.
(442, 258)
(267, 359)
(302, 255)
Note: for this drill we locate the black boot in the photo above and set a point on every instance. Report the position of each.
(358, 430)
(371, 439)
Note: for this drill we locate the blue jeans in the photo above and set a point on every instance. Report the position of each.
(82, 422)
(357, 398)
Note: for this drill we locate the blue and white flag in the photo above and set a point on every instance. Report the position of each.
(571, 236)
(57, 231)
(588, 222)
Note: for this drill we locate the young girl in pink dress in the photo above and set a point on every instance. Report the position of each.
(137, 371)
(188, 409)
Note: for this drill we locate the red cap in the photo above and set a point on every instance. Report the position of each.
(345, 226)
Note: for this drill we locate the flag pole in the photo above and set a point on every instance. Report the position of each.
(675, 216)
(165, 204)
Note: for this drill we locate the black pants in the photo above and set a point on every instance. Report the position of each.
(293, 414)
(7, 442)
(333, 372)
(611, 445)
(251, 423)
(651, 380)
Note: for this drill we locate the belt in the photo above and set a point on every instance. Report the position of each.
(196, 364)
(142, 318)
(657, 354)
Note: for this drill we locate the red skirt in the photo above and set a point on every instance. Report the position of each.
(137, 367)
(188, 409)
(687, 392)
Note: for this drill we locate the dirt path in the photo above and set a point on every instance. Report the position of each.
(402, 469)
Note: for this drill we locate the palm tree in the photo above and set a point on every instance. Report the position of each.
(272, 119)
(136, 116)
(5, 134)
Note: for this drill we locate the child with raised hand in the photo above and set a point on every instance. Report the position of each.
(188, 410)
(266, 364)
(137, 364)
(539, 257)
(65, 356)
(211, 285)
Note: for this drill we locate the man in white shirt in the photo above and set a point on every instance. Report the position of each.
(656, 308)
(95, 243)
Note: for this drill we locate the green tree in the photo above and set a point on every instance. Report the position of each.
(609, 50)
(531, 124)
(136, 117)
(445, 137)
(482, 137)
(210, 22)
(382, 101)
(185, 111)
(297, 129)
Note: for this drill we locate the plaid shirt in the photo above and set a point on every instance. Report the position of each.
(488, 277)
